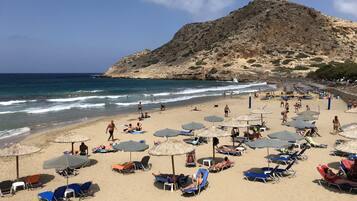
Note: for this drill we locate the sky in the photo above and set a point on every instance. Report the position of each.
(88, 36)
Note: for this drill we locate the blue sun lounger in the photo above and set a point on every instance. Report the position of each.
(281, 172)
(196, 190)
(264, 177)
(58, 194)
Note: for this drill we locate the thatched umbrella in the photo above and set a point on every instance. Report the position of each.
(348, 147)
(71, 138)
(261, 111)
(18, 150)
(171, 148)
(235, 124)
(351, 133)
(213, 119)
(309, 112)
(167, 132)
(131, 146)
(286, 136)
(193, 126)
(305, 118)
(213, 132)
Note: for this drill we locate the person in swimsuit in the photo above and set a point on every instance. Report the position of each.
(334, 178)
(226, 111)
(336, 125)
(196, 181)
(110, 129)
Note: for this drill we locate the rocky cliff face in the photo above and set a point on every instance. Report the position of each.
(266, 38)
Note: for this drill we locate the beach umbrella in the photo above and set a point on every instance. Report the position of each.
(353, 110)
(212, 132)
(167, 133)
(351, 133)
(267, 143)
(348, 147)
(286, 136)
(66, 161)
(235, 124)
(309, 112)
(193, 126)
(213, 119)
(300, 124)
(18, 150)
(305, 118)
(247, 118)
(71, 138)
(131, 146)
(261, 111)
(171, 148)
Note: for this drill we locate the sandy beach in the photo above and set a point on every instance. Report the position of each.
(226, 185)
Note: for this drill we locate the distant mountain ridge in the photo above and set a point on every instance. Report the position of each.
(264, 39)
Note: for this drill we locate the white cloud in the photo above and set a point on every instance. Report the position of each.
(201, 9)
(346, 6)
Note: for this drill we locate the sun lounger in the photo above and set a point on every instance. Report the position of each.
(181, 180)
(312, 143)
(101, 149)
(58, 194)
(195, 141)
(135, 132)
(219, 167)
(329, 183)
(230, 150)
(81, 190)
(33, 181)
(346, 165)
(197, 189)
(288, 171)
(191, 159)
(143, 164)
(286, 159)
(5, 187)
(124, 168)
(264, 177)
(186, 132)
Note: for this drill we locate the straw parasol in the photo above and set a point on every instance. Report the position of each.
(193, 126)
(267, 143)
(305, 118)
(18, 150)
(71, 138)
(300, 124)
(131, 146)
(167, 133)
(348, 147)
(171, 148)
(247, 118)
(213, 119)
(261, 111)
(212, 132)
(309, 112)
(235, 124)
(286, 136)
(351, 133)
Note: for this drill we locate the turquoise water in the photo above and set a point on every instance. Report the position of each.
(29, 102)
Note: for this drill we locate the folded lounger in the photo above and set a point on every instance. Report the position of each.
(5, 187)
(264, 177)
(143, 164)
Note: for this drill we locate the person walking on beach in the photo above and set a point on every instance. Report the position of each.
(336, 125)
(349, 104)
(226, 111)
(140, 108)
(307, 108)
(285, 117)
(110, 128)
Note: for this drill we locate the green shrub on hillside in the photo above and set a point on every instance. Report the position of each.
(334, 71)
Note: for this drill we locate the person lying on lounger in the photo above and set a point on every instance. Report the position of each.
(330, 175)
(196, 181)
(225, 163)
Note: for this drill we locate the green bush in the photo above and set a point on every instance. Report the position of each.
(276, 62)
(194, 67)
(301, 56)
(317, 59)
(200, 62)
(257, 65)
(334, 71)
(227, 64)
(282, 70)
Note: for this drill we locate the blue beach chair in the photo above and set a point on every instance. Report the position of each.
(265, 177)
(58, 194)
(196, 190)
(281, 172)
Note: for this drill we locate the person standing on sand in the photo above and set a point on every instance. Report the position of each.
(336, 125)
(307, 108)
(140, 108)
(285, 117)
(110, 128)
(226, 111)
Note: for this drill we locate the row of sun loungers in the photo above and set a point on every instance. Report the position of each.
(33, 181)
(80, 190)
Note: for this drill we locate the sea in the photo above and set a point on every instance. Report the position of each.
(33, 102)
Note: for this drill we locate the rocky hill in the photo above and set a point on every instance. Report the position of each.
(264, 39)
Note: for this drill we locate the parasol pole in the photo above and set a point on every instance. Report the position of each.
(72, 148)
(173, 164)
(17, 167)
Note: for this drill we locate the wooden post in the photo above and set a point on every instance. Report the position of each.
(72, 148)
(17, 167)
(213, 161)
(173, 165)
